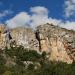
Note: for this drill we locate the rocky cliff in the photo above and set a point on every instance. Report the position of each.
(2, 36)
(25, 37)
(58, 42)
(18, 36)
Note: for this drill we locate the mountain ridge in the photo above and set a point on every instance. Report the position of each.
(57, 41)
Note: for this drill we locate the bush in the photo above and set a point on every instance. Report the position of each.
(19, 55)
(2, 64)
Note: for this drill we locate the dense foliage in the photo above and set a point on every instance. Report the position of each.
(20, 61)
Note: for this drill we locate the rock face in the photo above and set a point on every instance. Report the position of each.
(25, 37)
(18, 36)
(2, 36)
(58, 42)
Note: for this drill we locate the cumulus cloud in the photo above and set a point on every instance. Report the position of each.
(39, 10)
(38, 16)
(20, 19)
(5, 13)
(69, 8)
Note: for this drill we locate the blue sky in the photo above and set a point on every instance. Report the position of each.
(57, 9)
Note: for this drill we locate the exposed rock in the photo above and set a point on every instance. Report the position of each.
(2, 36)
(25, 37)
(58, 42)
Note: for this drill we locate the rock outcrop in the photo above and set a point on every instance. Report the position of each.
(2, 36)
(18, 36)
(56, 41)
(25, 37)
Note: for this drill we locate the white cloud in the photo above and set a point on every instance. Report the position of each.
(39, 10)
(5, 13)
(68, 25)
(37, 18)
(20, 19)
(69, 8)
(40, 16)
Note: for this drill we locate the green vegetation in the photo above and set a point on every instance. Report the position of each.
(20, 61)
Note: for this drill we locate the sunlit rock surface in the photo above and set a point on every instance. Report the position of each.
(2, 36)
(25, 37)
(58, 42)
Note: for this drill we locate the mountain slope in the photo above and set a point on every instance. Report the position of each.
(58, 42)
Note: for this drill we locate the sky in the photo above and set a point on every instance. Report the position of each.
(32, 13)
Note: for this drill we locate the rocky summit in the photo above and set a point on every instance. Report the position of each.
(58, 42)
